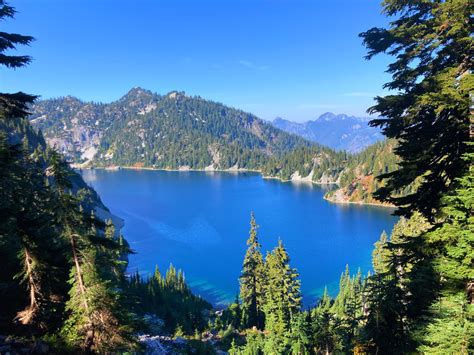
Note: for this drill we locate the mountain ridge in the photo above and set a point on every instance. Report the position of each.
(337, 131)
(98, 133)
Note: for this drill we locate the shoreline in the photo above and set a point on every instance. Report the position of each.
(242, 170)
(358, 203)
(230, 170)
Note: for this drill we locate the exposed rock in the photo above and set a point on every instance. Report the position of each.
(296, 177)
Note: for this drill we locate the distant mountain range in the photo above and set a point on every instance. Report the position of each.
(340, 132)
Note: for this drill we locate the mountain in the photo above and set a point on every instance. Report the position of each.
(357, 181)
(340, 132)
(173, 131)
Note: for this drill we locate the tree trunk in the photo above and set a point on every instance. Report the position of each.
(79, 273)
(26, 316)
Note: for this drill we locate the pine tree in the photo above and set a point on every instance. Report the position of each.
(96, 319)
(326, 338)
(251, 281)
(301, 342)
(282, 299)
(385, 330)
(451, 325)
(35, 232)
(429, 113)
(401, 291)
(381, 254)
(13, 105)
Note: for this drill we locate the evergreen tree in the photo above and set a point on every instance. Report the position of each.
(26, 231)
(385, 329)
(34, 229)
(301, 342)
(429, 113)
(381, 254)
(13, 105)
(251, 281)
(401, 291)
(282, 299)
(429, 116)
(96, 320)
(450, 328)
(325, 327)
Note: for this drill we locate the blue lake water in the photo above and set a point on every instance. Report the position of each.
(199, 222)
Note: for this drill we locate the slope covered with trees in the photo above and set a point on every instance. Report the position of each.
(171, 131)
(358, 179)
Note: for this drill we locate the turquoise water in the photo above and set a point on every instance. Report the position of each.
(199, 221)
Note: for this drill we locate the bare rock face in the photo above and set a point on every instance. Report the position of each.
(76, 128)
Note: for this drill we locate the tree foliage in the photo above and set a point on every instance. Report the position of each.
(429, 113)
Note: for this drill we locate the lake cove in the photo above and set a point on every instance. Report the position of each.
(199, 222)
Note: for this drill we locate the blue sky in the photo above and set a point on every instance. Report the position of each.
(290, 58)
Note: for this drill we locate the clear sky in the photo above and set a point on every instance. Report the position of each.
(290, 58)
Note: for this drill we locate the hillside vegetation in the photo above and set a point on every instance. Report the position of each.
(169, 132)
(358, 180)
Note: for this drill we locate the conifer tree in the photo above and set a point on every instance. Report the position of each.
(34, 229)
(429, 112)
(326, 337)
(251, 281)
(301, 342)
(450, 328)
(381, 254)
(13, 105)
(26, 231)
(429, 117)
(96, 320)
(282, 299)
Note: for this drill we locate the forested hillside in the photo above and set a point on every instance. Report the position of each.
(171, 132)
(358, 180)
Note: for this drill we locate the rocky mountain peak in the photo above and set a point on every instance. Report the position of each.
(328, 116)
(136, 93)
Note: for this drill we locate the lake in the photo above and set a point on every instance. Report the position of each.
(199, 222)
